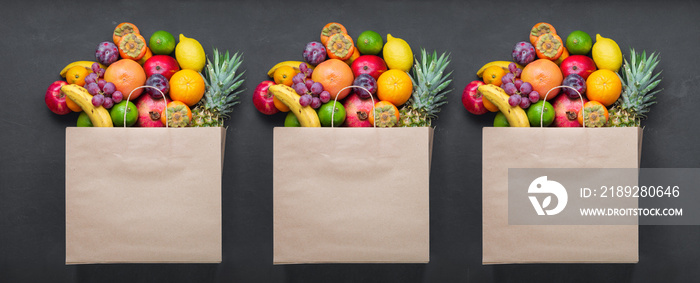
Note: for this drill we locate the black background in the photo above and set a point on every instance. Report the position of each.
(37, 39)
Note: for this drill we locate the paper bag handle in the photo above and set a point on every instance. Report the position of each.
(165, 109)
(353, 86)
(545, 99)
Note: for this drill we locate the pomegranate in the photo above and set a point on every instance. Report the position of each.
(566, 111)
(357, 111)
(150, 110)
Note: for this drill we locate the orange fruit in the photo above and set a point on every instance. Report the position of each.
(283, 75)
(187, 86)
(76, 75)
(603, 86)
(543, 75)
(489, 106)
(72, 105)
(387, 115)
(123, 29)
(334, 75)
(126, 75)
(394, 86)
(564, 54)
(132, 46)
(539, 29)
(492, 75)
(179, 115)
(330, 29)
(595, 114)
(279, 105)
(146, 56)
(354, 56)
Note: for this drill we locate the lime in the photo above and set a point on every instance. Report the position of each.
(397, 54)
(500, 120)
(162, 42)
(117, 113)
(189, 53)
(535, 112)
(579, 43)
(84, 120)
(331, 108)
(606, 54)
(370, 43)
(291, 120)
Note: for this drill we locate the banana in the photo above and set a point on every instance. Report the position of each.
(516, 116)
(84, 64)
(99, 116)
(293, 64)
(502, 64)
(306, 115)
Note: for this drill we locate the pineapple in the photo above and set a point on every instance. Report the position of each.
(429, 92)
(637, 96)
(222, 92)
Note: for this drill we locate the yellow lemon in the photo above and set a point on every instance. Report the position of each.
(606, 54)
(190, 54)
(397, 54)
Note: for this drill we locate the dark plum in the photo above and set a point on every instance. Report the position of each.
(160, 82)
(524, 53)
(107, 53)
(365, 81)
(314, 53)
(575, 81)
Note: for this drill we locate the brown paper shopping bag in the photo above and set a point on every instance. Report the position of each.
(143, 195)
(351, 195)
(558, 148)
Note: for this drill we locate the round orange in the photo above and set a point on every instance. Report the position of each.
(381, 120)
(279, 105)
(176, 119)
(394, 86)
(334, 75)
(187, 86)
(146, 56)
(543, 75)
(488, 105)
(492, 75)
(283, 75)
(76, 75)
(603, 86)
(126, 75)
(591, 110)
(72, 105)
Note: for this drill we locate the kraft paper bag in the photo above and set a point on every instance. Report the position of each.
(554, 148)
(351, 195)
(143, 195)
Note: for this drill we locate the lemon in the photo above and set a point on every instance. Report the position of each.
(190, 54)
(397, 54)
(606, 54)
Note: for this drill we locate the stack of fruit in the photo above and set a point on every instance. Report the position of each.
(108, 92)
(345, 82)
(598, 86)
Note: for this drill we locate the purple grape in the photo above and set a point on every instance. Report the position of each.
(575, 81)
(101, 83)
(525, 88)
(523, 53)
(95, 67)
(117, 96)
(93, 89)
(91, 78)
(299, 78)
(534, 96)
(316, 88)
(507, 78)
(101, 73)
(314, 53)
(308, 72)
(315, 102)
(367, 82)
(510, 88)
(308, 83)
(109, 88)
(97, 100)
(517, 83)
(106, 53)
(325, 96)
(517, 73)
(300, 88)
(302, 68)
(108, 103)
(514, 100)
(305, 100)
(512, 67)
(160, 82)
(524, 103)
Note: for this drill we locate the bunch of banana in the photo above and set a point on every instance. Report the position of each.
(502, 64)
(85, 64)
(306, 115)
(293, 64)
(99, 116)
(516, 116)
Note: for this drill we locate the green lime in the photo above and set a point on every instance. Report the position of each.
(117, 113)
(579, 43)
(291, 120)
(162, 42)
(83, 120)
(500, 120)
(535, 112)
(333, 108)
(369, 43)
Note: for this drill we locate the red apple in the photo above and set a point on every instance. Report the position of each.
(472, 99)
(263, 100)
(581, 65)
(161, 64)
(55, 99)
(368, 64)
